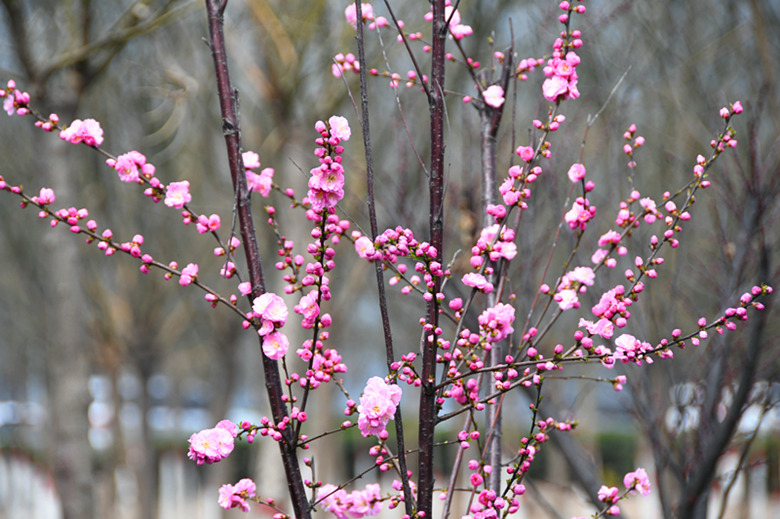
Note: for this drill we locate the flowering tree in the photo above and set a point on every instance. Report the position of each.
(473, 355)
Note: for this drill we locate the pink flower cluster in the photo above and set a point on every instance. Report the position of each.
(259, 183)
(87, 131)
(212, 445)
(356, 504)
(235, 496)
(272, 311)
(496, 322)
(630, 349)
(377, 406)
(132, 166)
(561, 72)
(326, 185)
(458, 30)
(16, 101)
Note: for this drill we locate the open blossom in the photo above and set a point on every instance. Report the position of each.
(212, 445)
(275, 345)
(637, 481)
(377, 406)
(260, 182)
(365, 247)
(497, 322)
(308, 308)
(232, 496)
(251, 160)
(87, 131)
(339, 127)
(130, 166)
(630, 349)
(271, 310)
(478, 281)
(579, 215)
(561, 82)
(356, 504)
(567, 299)
(493, 96)
(576, 172)
(46, 196)
(604, 328)
(177, 194)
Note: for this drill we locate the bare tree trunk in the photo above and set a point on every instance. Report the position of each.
(67, 360)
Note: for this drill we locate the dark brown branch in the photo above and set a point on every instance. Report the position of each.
(232, 132)
(428, 409)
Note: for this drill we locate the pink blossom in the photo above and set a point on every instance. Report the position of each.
(377, 406)
(130, 166)
(251, 160)
(46, 196)
(177, 194)
(232, 496)
(88, 131)
(497, 322)
(561, 82)
(212, 445)
(339, 126)
(271, 310)
(582, 275)
(308, 308)
(478, 281)
(578, 216)
(494, 96)
(336, 500)
(260, 183)
(604, 328)
(608, 494)
(188, 274)
(526, 153)
(576, 172)
(208, 223)
(351, 13)
(630, 349)
(275, 345)
(567, 299)
(637, 481)
(365, 247)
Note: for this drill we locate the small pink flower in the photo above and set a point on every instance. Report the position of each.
(478, 281)
(262, 182)
(211, 445)
(351, 13)
(308, 308)
(497, 322)
(377, 406)
(526, 153)
(576, 172)
(567, 299)
(637, 481)
(232, 496)
(188, 274)
(88, 131)
(208, 223)
(270, 307)
(275, 345)
(177, 194)
(130, 166)
(46, 196)
(365, 247)
(251, 160)
(493, 96)
(339, 126)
